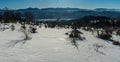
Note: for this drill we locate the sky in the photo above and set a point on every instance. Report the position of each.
(84, 4)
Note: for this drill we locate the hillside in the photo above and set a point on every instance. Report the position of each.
(51, 45)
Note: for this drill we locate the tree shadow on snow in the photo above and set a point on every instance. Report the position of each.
(15, 42)
(75, 43)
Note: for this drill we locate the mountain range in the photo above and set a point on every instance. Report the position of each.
(67, 13)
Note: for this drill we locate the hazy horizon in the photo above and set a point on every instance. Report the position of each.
(56, 7)
(83, 4)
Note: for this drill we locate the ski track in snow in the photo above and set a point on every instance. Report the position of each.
(51, 45)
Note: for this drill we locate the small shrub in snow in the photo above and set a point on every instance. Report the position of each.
(12, 27)
(23, 26)
(66, 33)
(118, 32)
(32, 29)
(116, 43)
(75, 34)
(105, 36)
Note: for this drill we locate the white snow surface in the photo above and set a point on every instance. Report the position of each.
(51, 45)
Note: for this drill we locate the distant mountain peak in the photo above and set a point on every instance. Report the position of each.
(30, 8)
(106, 9)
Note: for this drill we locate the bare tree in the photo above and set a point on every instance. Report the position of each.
(27, 37)
(25, 32)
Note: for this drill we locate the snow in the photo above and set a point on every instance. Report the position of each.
(51, 45)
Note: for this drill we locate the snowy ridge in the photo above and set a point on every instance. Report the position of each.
(51, 45)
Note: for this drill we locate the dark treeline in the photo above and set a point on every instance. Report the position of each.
(97, 21)
(15, 16)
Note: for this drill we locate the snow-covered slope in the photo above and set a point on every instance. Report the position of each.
(51, 45)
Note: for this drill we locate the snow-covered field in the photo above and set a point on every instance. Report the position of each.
(51, 45)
